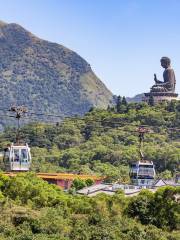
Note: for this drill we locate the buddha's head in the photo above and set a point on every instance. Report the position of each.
(165, 62)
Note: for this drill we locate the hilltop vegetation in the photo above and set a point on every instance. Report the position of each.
(104, 142)
(32, 209)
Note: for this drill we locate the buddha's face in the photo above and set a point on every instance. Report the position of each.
(164, 64)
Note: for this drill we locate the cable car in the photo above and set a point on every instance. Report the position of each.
(17, 158)
(142, 173)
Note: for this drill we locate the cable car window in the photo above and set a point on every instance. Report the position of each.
(16, 155)
(24, 155)
(143, 181)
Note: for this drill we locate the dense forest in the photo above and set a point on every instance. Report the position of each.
(33, 209)
(105, 142)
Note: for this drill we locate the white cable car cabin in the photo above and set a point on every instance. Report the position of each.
(17, 158)
(142, 173)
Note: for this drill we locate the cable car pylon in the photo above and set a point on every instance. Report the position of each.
(20, 111)
(142, 172)
(141, 130)
(17, 156)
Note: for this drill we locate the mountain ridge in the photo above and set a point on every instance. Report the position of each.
(46, 76)
(137, 98)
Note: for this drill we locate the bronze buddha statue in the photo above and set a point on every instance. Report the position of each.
(168, 85)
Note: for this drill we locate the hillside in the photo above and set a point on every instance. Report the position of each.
(137, 98)
(45, 76)
(105, 142)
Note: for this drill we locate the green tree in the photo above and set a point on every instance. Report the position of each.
(118, 104)
(165, 175)
(78, 184)
(151, 101)
(141, 207)
(124, 102)
(89, 182)
(166, 209)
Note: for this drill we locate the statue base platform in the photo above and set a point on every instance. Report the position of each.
(160, 96)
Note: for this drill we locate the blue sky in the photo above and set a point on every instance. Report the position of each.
(123, 40)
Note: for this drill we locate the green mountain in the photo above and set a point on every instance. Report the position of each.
(45, 76)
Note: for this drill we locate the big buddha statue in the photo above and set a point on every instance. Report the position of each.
(163, 90)
(168, 85)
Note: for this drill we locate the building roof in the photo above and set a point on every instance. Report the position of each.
(162, 182)
(109, 189)
(61, 176)
(159, 183)
(93, 188)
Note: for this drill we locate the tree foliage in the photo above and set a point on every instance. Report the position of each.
(34, 209)
(105, 142)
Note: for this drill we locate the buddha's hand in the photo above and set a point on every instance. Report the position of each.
(155, 78)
